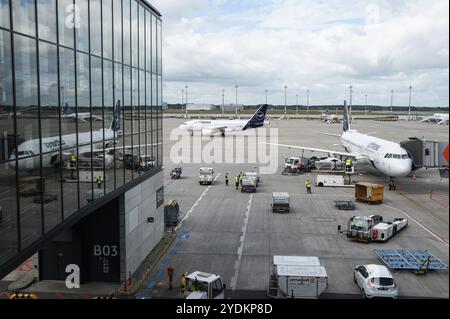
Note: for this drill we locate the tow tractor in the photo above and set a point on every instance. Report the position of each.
(200, 285)
(373, 229)
(176, 173)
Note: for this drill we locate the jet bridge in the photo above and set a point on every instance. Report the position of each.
(428, 154)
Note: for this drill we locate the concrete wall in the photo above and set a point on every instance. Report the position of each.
(138, 236)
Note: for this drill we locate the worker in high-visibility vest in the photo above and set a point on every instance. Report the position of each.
(183, 283)
(348, 165)
(227, 179)
(241, 178)
(100, 182)
(73, 165)
(308, 187)
(237, 181)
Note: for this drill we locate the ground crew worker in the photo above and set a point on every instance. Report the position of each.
(183, 283)
(170, 271)
(308, 187)
(348, 165)
(227, 179)
(100, 182)
(237, 182)
(241, 178)
(73, 165)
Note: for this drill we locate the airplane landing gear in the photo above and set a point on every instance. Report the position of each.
(392, 184)
(223, 134)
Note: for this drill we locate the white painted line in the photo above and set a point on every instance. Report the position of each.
(196, 203)
(240, 251)
(418, 223)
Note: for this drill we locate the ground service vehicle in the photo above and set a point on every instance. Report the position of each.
(280, 203)
(200, 285)
(369, 193)
(249, 185)
(176, 173)
(297, 277)
(375, 281)
(206, 176)
(373, 229)
(253, 175)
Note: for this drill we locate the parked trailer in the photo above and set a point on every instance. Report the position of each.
(369, 193)
(297, 277)
(280, 203)
(373, 229)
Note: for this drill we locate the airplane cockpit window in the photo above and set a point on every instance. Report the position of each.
(389, 156)
(406, 156)
(397, 156)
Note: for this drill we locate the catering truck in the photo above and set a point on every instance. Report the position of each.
(201, 285)
(206, 176)
(373, 229)
(297, 277)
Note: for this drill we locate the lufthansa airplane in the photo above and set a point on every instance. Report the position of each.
(387, 157)
(221, 127)
(438, 118)
(51, 146)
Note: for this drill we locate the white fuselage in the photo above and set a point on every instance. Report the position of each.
(51, 148)
(211, 126)
(439, 118)
(388, 157)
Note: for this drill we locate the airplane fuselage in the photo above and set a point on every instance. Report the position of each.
(387, 157)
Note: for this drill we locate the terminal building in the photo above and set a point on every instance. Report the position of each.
(81, 180)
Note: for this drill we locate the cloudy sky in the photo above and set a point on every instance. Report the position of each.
(321, 45)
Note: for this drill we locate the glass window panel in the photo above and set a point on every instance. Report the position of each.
(148, 40)
(134, 33)
(96, 74)
(8, 201)
(4, 13)
(159, 47)
(154, 39)
(126, 32)
(141, 37)
(30, 211)
(117, 30)
(48, 75)
(67, 22)
(107, 29)
(96, 27)
(83, 82)
(6, 95)
(47, 19)
(118, 83)
(109, 143)
(82, 30)
(70, 189)
(24, 16)
(67, 77)
(108, 84)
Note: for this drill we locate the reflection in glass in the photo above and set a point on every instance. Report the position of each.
(67, 77)
(96, 75)
(96, 27)
(48, 74)
(134, 33)
(4, 13)
(8, 201)
(107, 29)
(67, 22)
(26, 72)
(148, 40)
(5, 72)
(83, 82)
(82, 31)
(126, 32)
(47, 20)
(24, 16)
(108, 84)
(141, 37)
(117, 25)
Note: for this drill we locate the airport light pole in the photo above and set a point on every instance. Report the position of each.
(182, 102)
(307, 103)
(351, 100)
(410, 103)
(223, 103)
(297, 106)
(186, 87)
(365, 105)
(392, 101)
(285, 101)
(237, 87)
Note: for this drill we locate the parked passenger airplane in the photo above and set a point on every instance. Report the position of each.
(388, 157)
(81, 117)
(438, 118)
(215, 127)
(51, 146)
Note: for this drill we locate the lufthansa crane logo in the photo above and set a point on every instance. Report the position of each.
(260, 116)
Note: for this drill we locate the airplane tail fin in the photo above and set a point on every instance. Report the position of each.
(67, 109)
(346, 118)
(258, 118)
(117, 118)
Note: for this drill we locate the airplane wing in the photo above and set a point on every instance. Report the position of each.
(318, 150)
(330, 134)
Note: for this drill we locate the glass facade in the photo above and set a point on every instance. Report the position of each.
(80, 109)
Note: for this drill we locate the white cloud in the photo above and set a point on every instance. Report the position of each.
(322, 45)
